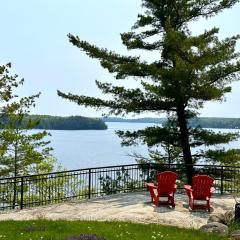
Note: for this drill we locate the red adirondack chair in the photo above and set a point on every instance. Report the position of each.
(202, 190)
(166, 187)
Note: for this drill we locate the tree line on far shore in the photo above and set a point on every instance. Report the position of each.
(49, 122)
(204, 122)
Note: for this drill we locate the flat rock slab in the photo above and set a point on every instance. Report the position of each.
(132, 207)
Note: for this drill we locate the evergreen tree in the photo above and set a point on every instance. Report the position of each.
(21, 152)
(191, 70)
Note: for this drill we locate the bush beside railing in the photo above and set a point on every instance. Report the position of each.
(36, 190)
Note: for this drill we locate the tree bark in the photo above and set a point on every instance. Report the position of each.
(187, 156)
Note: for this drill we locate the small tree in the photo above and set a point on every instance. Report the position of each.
(190, 71)
(21, 152)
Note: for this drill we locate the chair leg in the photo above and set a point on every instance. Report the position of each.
(208, 206)
(191, 203)
(171, 200)
(152, 194)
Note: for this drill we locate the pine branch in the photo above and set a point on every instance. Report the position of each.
(121, 105)
(209, 137)
(150, 136)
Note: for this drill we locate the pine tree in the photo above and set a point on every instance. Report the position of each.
(21, 152)
(191, 70)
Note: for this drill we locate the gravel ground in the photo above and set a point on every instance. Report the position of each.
(133, 207)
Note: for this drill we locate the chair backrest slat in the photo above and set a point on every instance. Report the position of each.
(166, 181)
(201, 186)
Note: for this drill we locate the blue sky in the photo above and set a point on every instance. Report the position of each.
(34, 39)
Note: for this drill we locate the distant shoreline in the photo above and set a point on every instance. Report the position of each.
(204, 122)
(48, 122)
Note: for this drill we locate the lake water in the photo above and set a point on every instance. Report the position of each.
(95, 148)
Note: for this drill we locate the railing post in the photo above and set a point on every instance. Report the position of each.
(89, 183)
(148, 175)
(21, 190)
(221, 190)
(148, 171)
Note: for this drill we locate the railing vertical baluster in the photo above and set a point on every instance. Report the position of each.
(21, 199)
(89, 183)
(221, 190)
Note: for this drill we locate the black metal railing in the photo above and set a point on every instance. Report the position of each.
(28, 191)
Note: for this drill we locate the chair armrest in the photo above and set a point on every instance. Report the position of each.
(174, 188)
(150, 185)
(212, 189)
(188, 188)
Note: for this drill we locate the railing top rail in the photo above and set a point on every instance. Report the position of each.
(74, 170)
(119, 166)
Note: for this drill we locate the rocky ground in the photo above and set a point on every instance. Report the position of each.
(133, 207)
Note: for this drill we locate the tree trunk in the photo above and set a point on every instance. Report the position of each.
(187, 156)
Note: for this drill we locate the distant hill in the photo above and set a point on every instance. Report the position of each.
(68, 123)
(204, 122)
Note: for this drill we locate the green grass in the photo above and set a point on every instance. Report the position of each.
(60, 230)
(234, 226)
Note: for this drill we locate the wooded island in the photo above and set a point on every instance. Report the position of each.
(66, 123)
(69, 123)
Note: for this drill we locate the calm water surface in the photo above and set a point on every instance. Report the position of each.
(95, 148)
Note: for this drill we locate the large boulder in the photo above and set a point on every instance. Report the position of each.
(215, 227)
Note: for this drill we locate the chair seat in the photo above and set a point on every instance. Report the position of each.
(165, 187)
